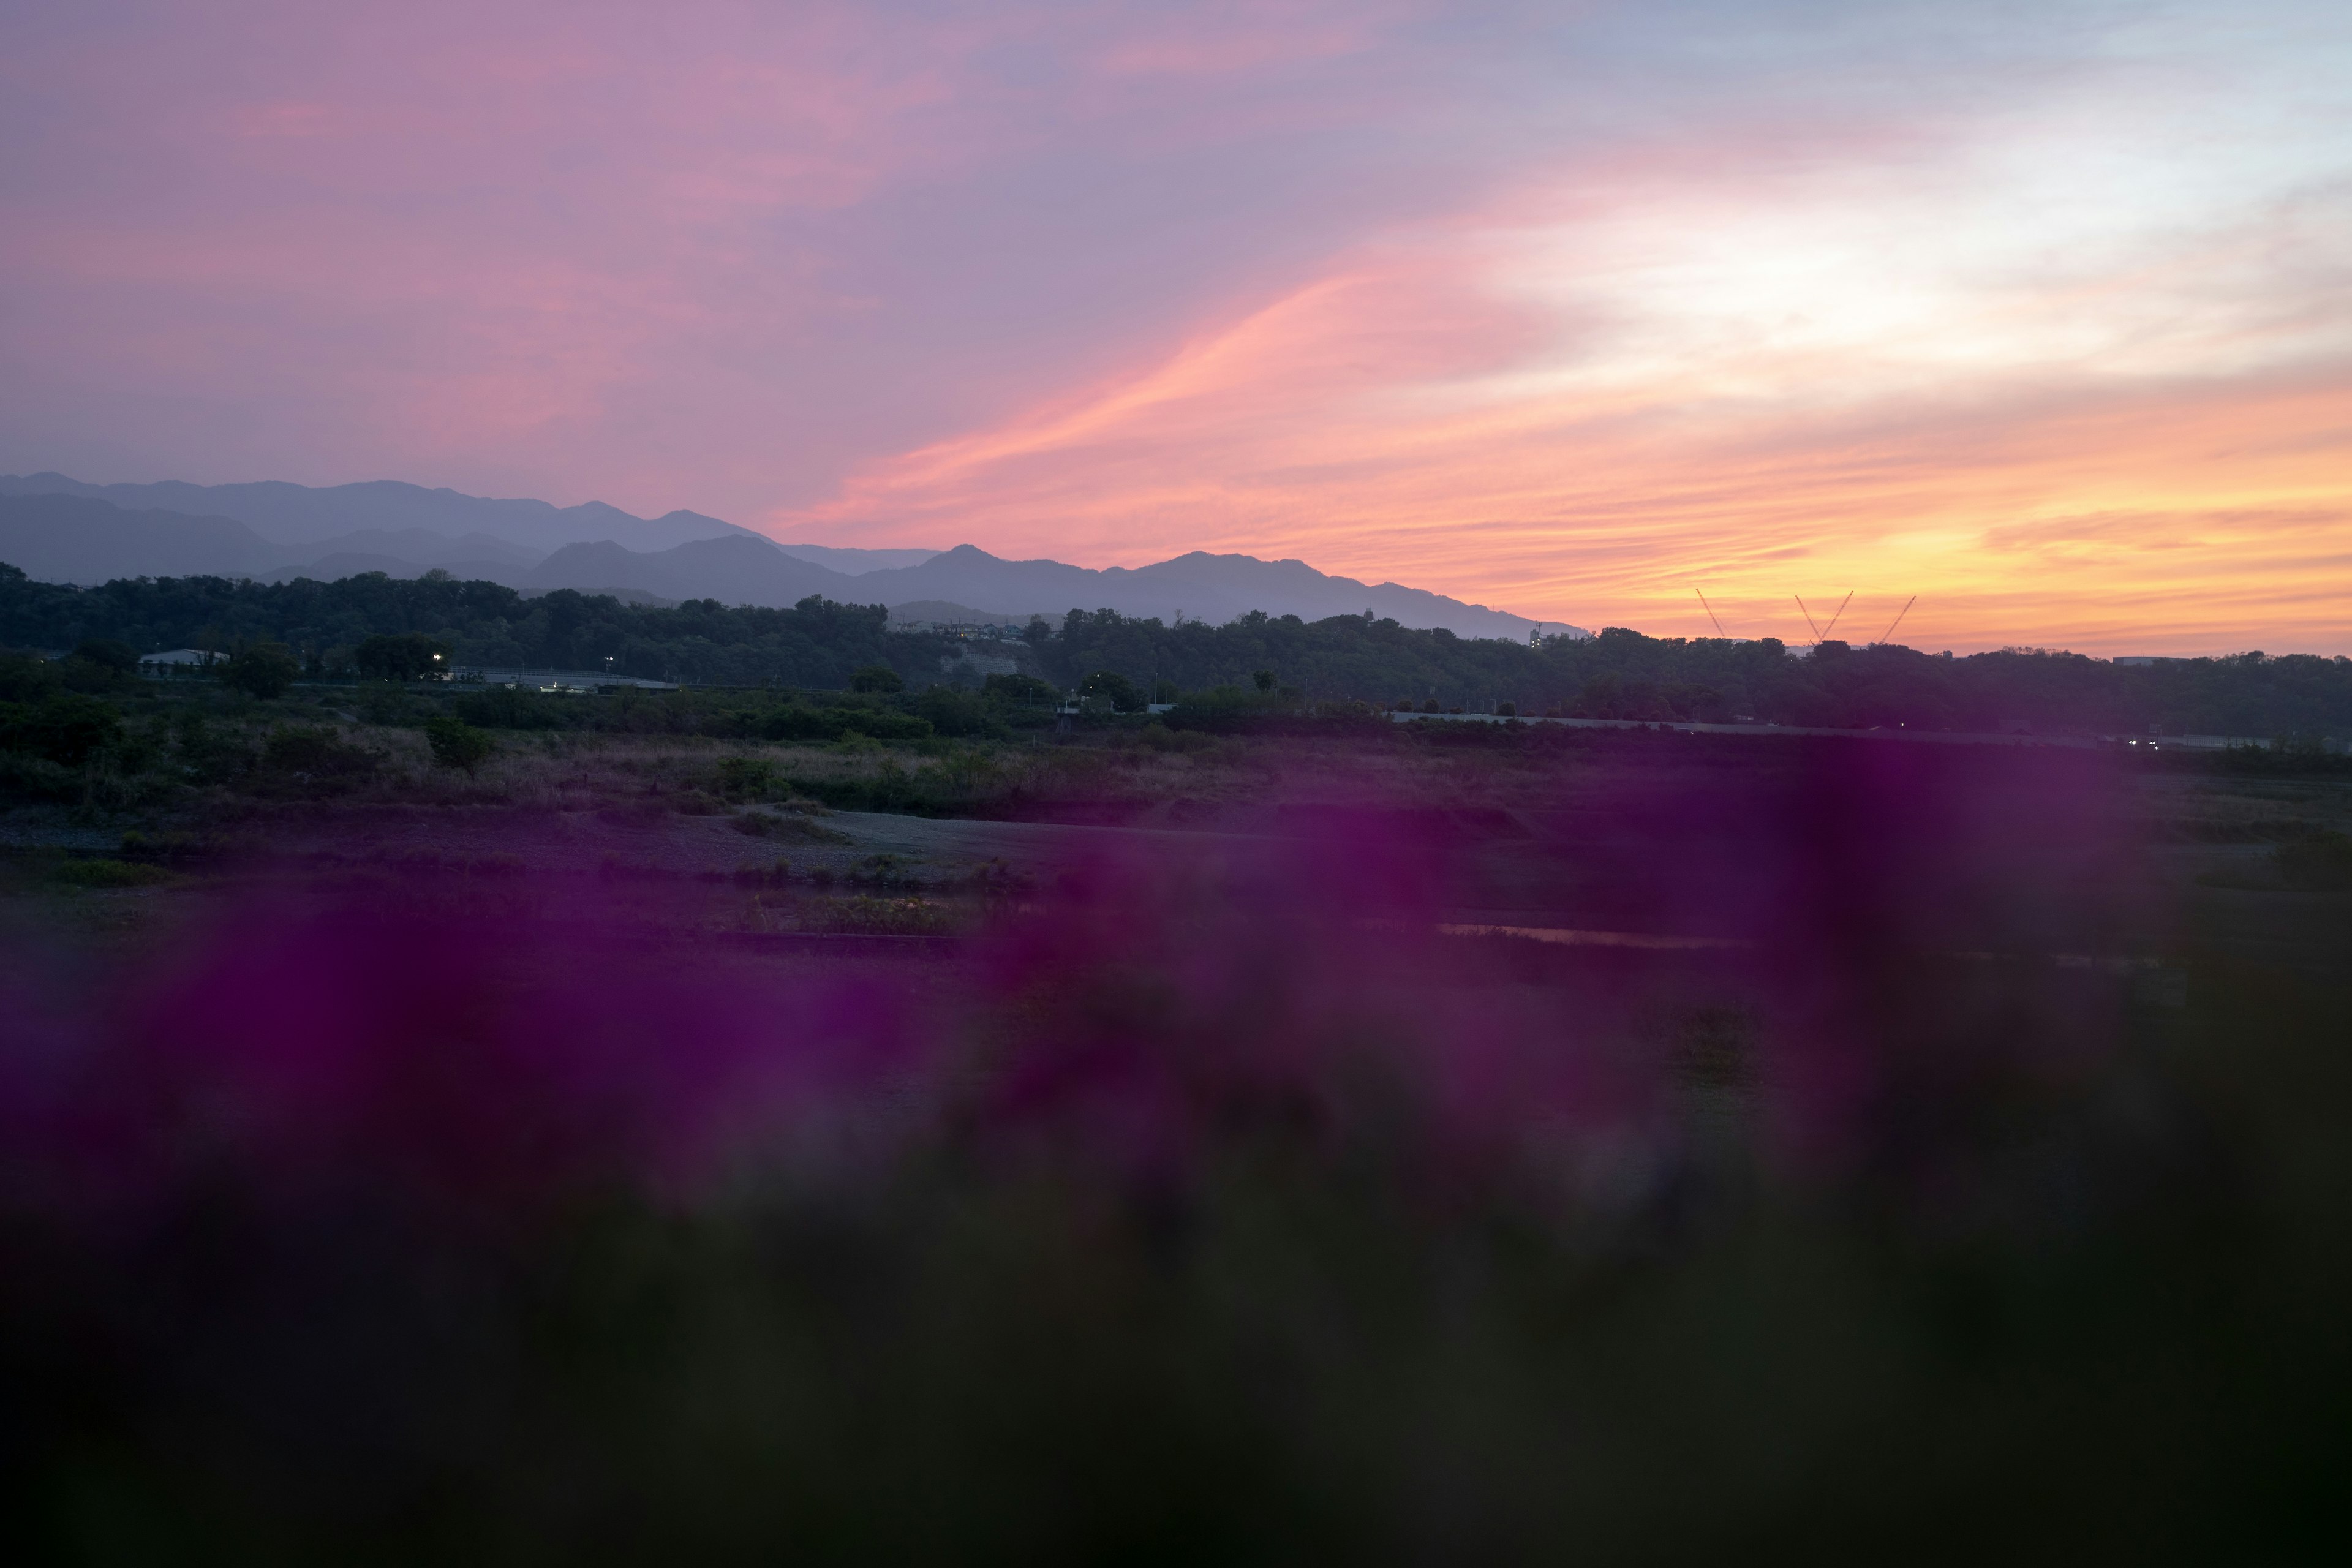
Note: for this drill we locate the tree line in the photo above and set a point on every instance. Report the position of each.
(816, 643)
(1622, 674)
(820, 644)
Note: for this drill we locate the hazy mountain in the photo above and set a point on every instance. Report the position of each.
(744, 569)
(1200, 587)
(422, 547)
(964, 615)
(73, 539)
(298, 514)
(853, 562)
(68, 532)
(344, 564)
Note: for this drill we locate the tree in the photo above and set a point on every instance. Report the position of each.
(1018, 691)
(1263, 677)
(409, 656)
(262, 669)
(108, 653)
(456, 743)
(1115, 687)
(876, 677)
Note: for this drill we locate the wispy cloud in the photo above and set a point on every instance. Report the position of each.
(2035, 312)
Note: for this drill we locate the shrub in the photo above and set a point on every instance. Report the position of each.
(458, 744)
(210, 756)
(29, 777)
(317, 755)
(511, 708)
(789, 828)
(65, 729)
(750, 778)
(109, 874)
(876, 678)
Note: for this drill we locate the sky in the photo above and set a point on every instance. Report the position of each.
(2038, 312)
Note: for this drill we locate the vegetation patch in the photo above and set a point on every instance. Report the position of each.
(863, 915)
(108, 874)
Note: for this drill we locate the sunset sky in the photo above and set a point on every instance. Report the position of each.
(2040, 311)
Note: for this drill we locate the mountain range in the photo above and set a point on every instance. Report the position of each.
(62, 530)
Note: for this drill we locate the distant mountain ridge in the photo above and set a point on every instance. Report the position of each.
(62, 530)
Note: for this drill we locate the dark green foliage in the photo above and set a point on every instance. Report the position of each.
(109, 874)
(816, 643)
(209, 756)
(317, 754)
(514, 708)
(750, 778)
(24, 775)
(65, 729)
(262, 669)
(408, 656)
(456, 743)
(952, 712)
(820, 645)
(24, 678)
(1623, 674)
(876, 678)
(1115, 688)
(804, 721)
(108, 653)
(1019, 691)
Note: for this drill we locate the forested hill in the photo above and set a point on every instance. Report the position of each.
(817, 644)
(1619, 674)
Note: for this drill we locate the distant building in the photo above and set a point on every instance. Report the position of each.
(177, 661)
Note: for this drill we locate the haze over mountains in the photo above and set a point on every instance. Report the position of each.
(62, 530)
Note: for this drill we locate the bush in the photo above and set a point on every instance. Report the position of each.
(792, 828)
(799, 722)
(263, 670)
(65, 729)
(317, 754)
(750, 778)
(109, 874)
(876, 677)
(458, 744)
(210, 756)
(25, 777)
(511, 708)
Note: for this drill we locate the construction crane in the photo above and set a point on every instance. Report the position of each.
(1821, 632)
(1710, 614)
(1896, 620)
